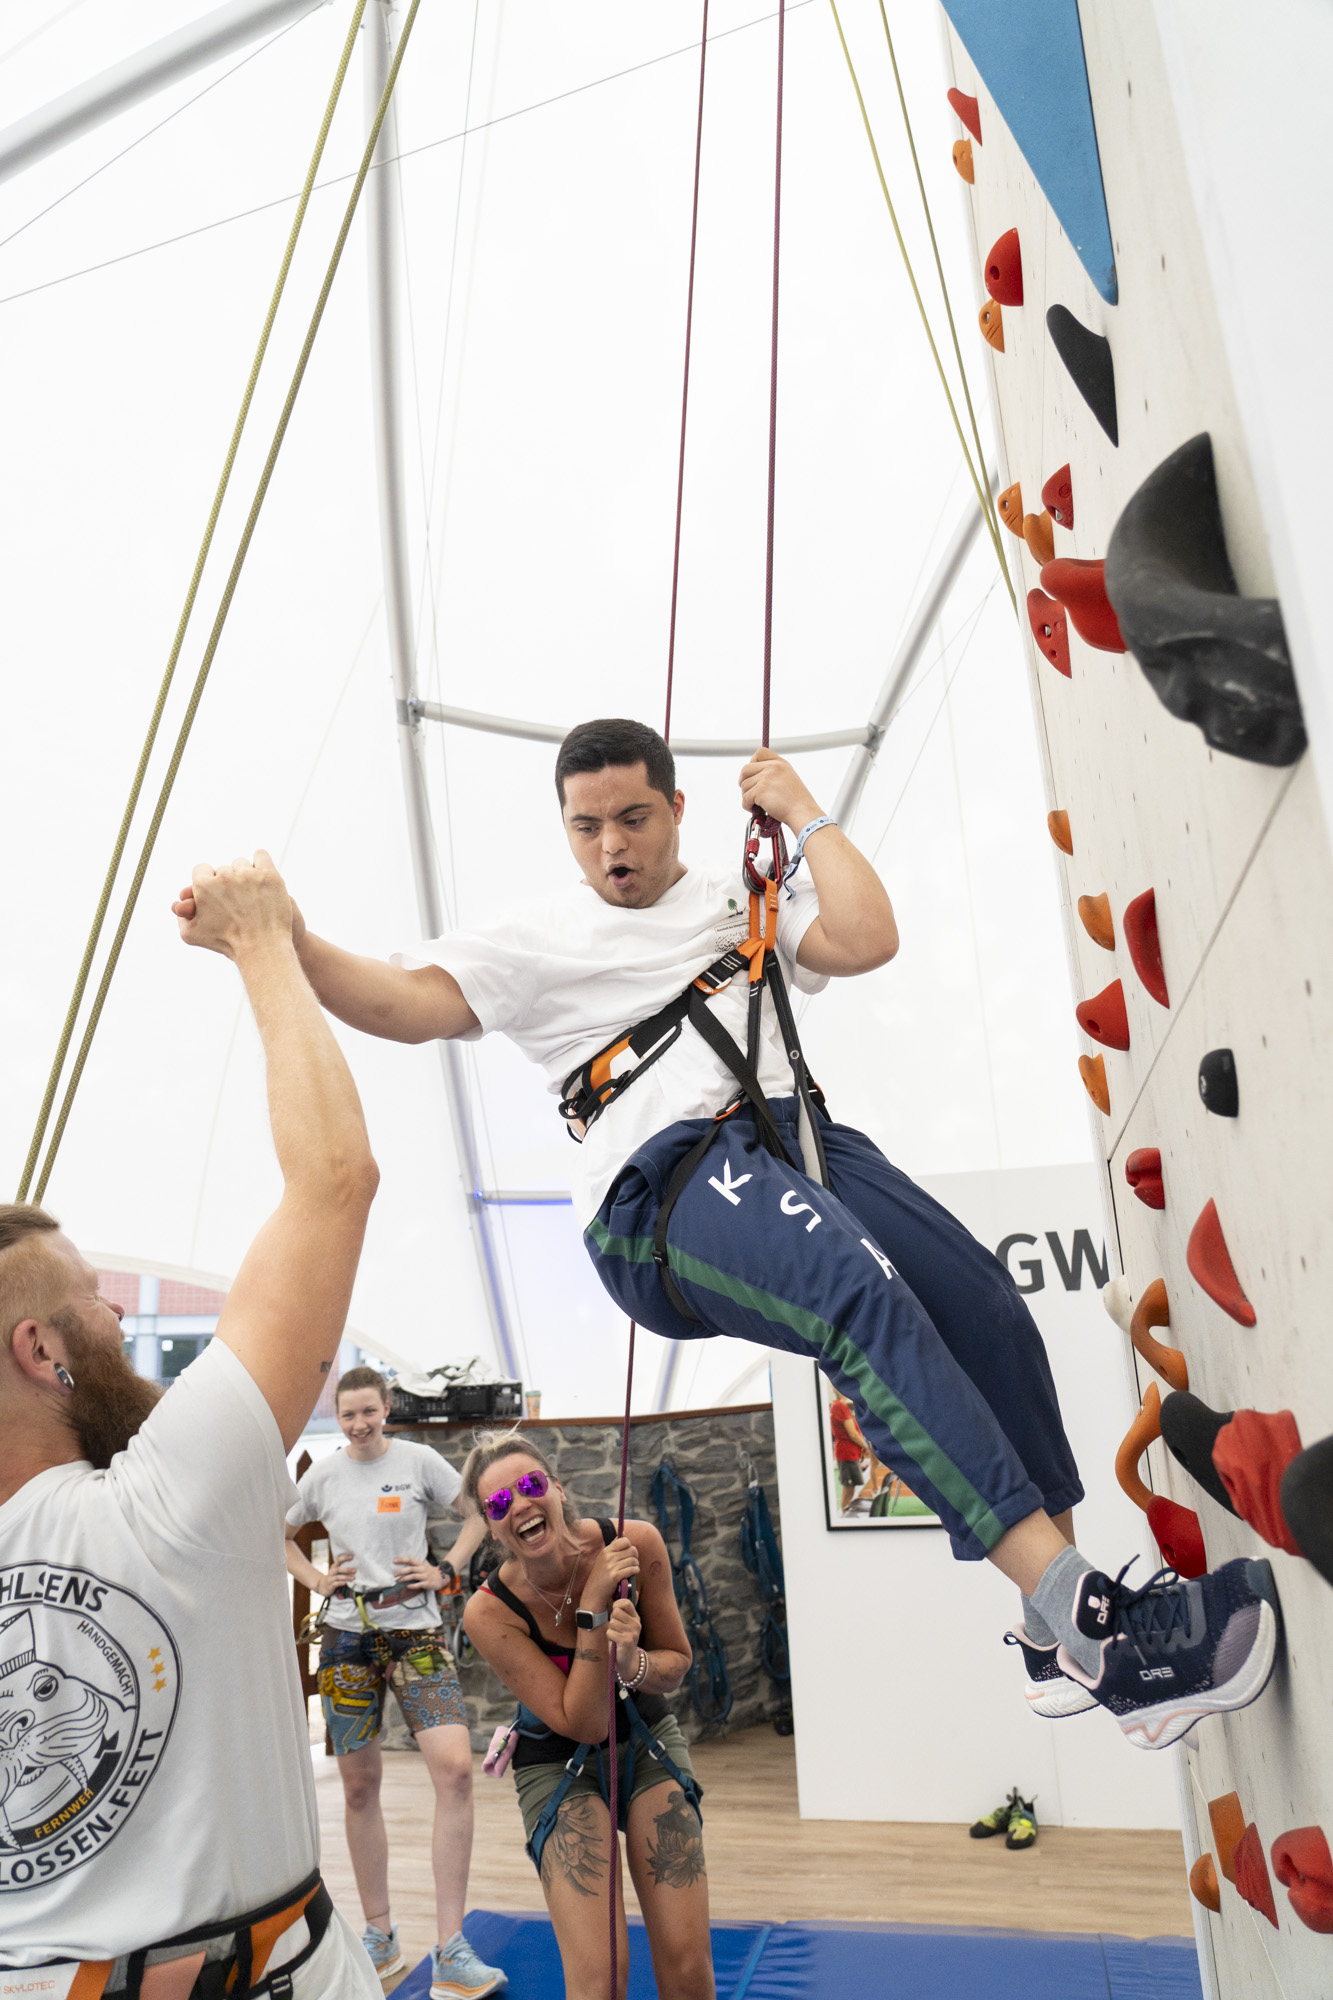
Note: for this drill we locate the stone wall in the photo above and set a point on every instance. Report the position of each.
(712, 1451)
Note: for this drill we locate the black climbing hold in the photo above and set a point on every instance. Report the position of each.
(1189, 1431)
(1088, 358)
(1307, 1503)
(1211, 656)
(1217, 1083)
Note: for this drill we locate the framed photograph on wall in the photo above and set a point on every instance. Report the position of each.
(859, 1492)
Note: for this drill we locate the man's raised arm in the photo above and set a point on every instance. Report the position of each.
(285, 1314)
(423, 1005)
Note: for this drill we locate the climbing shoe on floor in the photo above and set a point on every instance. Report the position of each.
(382, 1950)
(995, 1822)
(1174, 1652)
(1048, 1691)
(1022, 1824)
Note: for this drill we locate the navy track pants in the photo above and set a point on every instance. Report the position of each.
(915, 1321)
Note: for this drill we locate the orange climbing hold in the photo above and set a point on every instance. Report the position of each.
(1092, 1069)
(1094, 913)
(1003, 275)
(1304, 1867)
(1154, 1309)
(1081, 588)
(991, 321)
(1104, 1017)
(1057, 825)
(1145, 947)
(1250, 1455)
(968, 110)
(1211, 1267)
(1203, 1883)
(1179, 1536)
(1251, 1877)
(1145, 1430)
(1009, 507)
(1050, 631)
(1143, 1171)
(1058, 496)
(1228, 1824)
(962, 159)
(1039, 536)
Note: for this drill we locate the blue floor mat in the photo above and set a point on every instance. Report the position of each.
(809, 1961)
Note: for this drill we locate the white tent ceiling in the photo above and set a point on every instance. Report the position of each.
(547, 263)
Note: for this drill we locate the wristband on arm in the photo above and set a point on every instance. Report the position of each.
(826, 819)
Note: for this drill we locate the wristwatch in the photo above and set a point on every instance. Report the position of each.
(588, 1621)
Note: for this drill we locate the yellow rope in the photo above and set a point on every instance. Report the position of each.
(978, 479)
(117, 852)
(215, 635)
(991, 513)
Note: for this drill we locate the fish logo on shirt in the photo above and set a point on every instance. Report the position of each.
(89, 1685)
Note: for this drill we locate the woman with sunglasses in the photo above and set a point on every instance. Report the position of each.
(546, 1621)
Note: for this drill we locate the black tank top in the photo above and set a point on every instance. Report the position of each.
(553, 1749)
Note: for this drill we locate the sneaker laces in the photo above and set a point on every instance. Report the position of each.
(1149, 1615)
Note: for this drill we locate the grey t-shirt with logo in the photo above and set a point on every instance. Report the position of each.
(375, 1510)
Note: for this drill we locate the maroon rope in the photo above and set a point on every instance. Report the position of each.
(773, 380)
(685, 389)
(612, 1755)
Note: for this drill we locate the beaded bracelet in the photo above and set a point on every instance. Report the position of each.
(639, 1678)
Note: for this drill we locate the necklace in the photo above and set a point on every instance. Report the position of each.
(561, 1608)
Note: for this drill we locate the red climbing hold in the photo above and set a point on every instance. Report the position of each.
(1058, 496)
(1211, 1267)
(1057, 825)
(1178, 1535)
(968, 110)
(1104, 1017)
(1250, 1455)
(1143, 1171)
(1003, 275)
(1050, 631)
(962, 159)
(1252, 1883)
(1145, 947)
(1304, 1867)
(1080, 587)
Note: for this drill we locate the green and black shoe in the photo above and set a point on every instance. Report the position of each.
(1022, 1824)
(995, 1822)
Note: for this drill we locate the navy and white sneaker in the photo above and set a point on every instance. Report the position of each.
(1048, 1690)
(1174, 1652)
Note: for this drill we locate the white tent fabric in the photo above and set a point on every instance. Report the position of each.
(546, 261)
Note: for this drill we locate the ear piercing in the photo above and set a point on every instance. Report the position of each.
(63, 1377)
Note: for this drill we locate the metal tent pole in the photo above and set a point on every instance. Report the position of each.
(177, 55)
(384, 248)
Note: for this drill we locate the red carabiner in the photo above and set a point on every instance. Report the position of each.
(763, 828)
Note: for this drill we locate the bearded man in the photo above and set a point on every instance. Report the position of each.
(158, 1833)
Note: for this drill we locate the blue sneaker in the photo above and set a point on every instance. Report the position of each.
(1174, 1652)
(382, 1950)
(1048, 1691)
(456, 1973)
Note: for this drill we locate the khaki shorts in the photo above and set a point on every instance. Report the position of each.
(536, 1782)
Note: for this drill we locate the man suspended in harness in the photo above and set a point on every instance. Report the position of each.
(158, 1832)
(545, 1621)
(716, 1196)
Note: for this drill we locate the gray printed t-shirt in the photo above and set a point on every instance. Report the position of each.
(377, 1509)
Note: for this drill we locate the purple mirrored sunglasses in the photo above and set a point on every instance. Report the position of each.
(530, 1484)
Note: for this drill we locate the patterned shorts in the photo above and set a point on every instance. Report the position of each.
(355, 1671)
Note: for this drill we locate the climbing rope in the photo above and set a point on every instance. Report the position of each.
(975, 471)
(201, 679)
(685, 390)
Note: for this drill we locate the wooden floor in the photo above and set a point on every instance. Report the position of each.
(765, 1863)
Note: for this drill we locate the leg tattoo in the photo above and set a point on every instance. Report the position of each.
(677, 1861)
(577, 1847)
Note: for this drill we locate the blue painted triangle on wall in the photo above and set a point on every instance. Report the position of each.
(1030, 55)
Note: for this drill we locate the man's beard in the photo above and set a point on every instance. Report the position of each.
(109, 1401)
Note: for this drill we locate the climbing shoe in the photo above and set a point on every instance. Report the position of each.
(1173, 1652)
(995, 1822)
(1048, 1691)
(1022, 1824)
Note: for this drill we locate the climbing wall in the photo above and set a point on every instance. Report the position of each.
(1237, 855)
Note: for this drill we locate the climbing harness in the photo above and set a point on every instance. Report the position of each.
(708, 1680)
(763, 1558)
(641, 1742)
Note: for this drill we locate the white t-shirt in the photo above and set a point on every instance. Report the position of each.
(564, 977)
(154, 1755)
(376, 1509)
